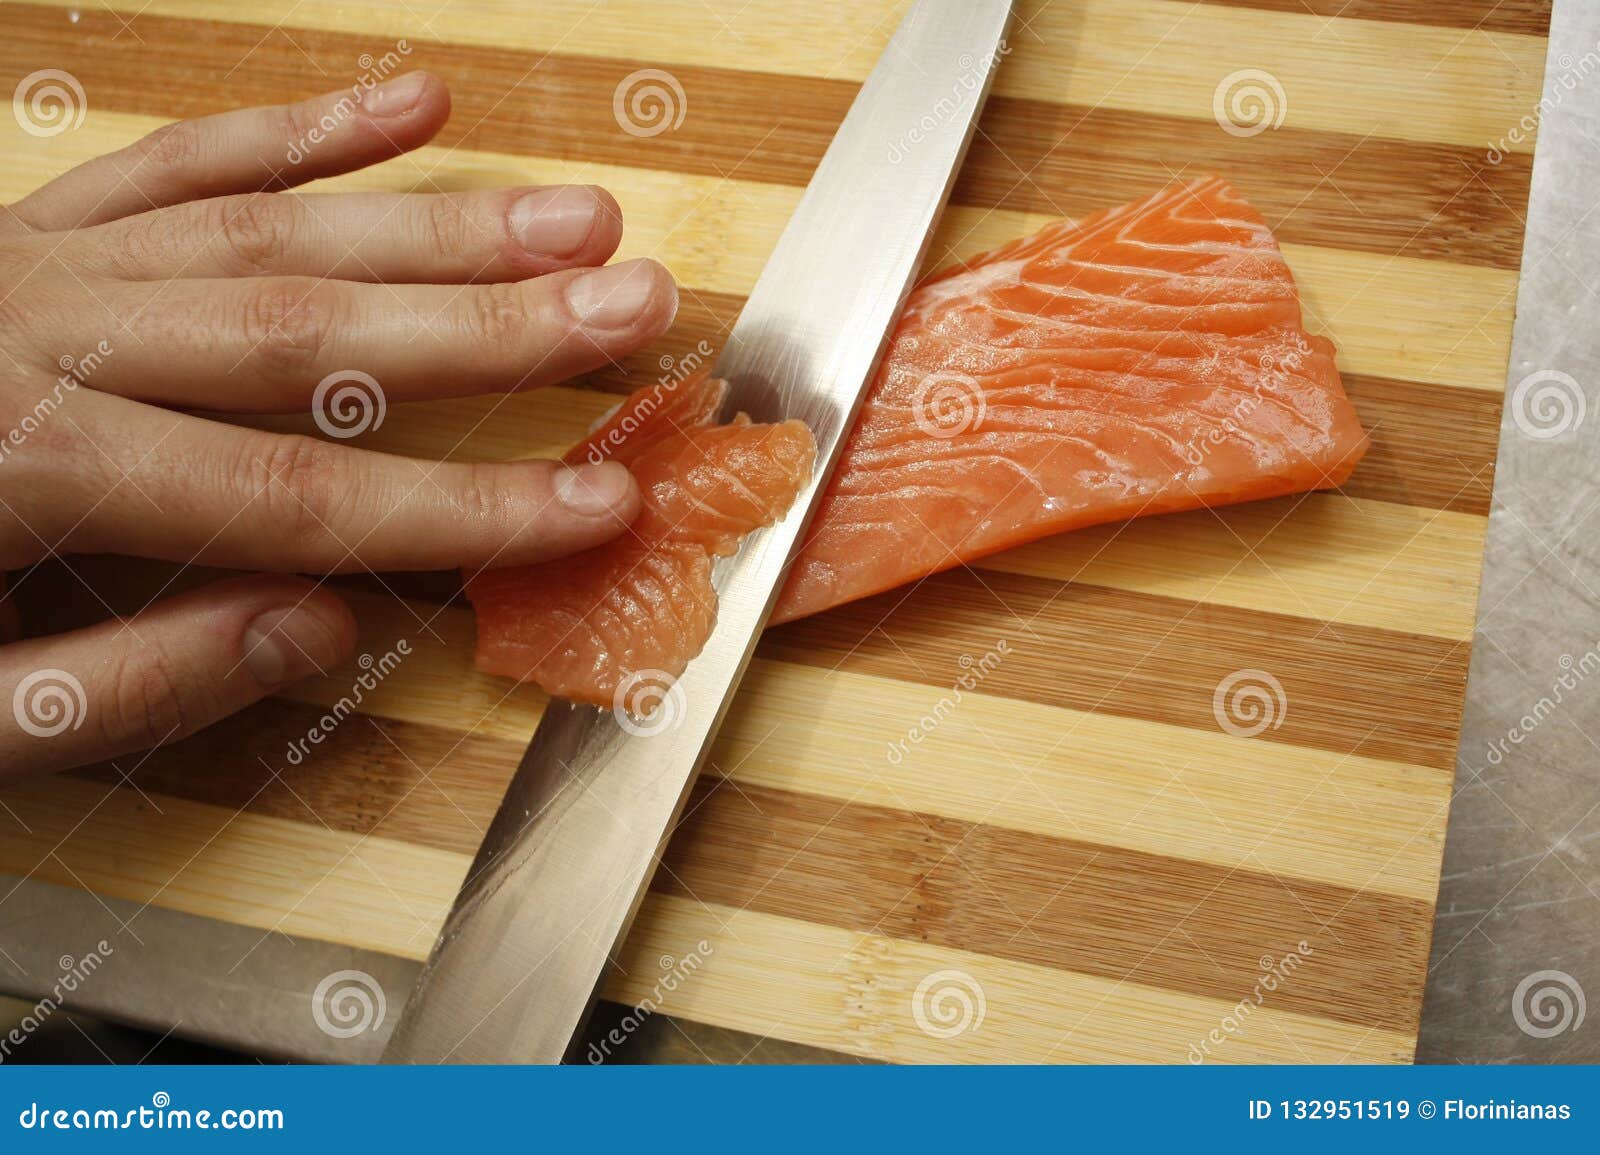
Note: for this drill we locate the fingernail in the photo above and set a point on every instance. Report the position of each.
(554, 221)
(395, 97)
(611, 298)
(593, 490)
(285, 645)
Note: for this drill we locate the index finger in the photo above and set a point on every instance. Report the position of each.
(248, 150)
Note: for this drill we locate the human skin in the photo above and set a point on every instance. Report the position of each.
(213, 293)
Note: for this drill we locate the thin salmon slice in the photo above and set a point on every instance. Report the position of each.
(644, 603)
(1146, 359)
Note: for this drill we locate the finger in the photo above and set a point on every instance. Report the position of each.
(263, 345)
(185, 489)
(497, 235)
(244, 151)
(181, 664)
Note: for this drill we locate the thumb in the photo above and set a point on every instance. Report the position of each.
(180, 665)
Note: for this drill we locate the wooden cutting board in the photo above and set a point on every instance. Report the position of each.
(1071, 839)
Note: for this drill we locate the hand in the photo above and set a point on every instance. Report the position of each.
(161, 278)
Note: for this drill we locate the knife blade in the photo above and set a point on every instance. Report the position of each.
(566, 861)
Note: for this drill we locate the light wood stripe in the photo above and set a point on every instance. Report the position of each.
(715, 235)
(1121, 782)
(1338, 75)
(1530, 17)
(1029, 155)
(796, 980)
(853, 992)
(1318, 556)
(297, 877)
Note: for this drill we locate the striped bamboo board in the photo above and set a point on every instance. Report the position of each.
(1066, 856)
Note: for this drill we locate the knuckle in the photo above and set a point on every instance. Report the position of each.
(255, 231)
(477, 500)
(173, 147)
(288, 323)
(447, 225)
(496, 313)
(304, 486)
(146, 704)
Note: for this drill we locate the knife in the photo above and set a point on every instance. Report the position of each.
(568, 857)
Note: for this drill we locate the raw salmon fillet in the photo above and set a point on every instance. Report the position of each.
(644, 603)
(1146, 359)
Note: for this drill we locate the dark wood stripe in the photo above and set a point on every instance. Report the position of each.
(1155, 920)
(1314, 187)
(1097, 910)
(1349, 689)
(1433, 446)
(1529, 17)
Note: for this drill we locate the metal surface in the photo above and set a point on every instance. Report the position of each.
(567, 859)
(1520, 897)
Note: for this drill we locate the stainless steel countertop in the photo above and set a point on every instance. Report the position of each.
(1519, 904)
